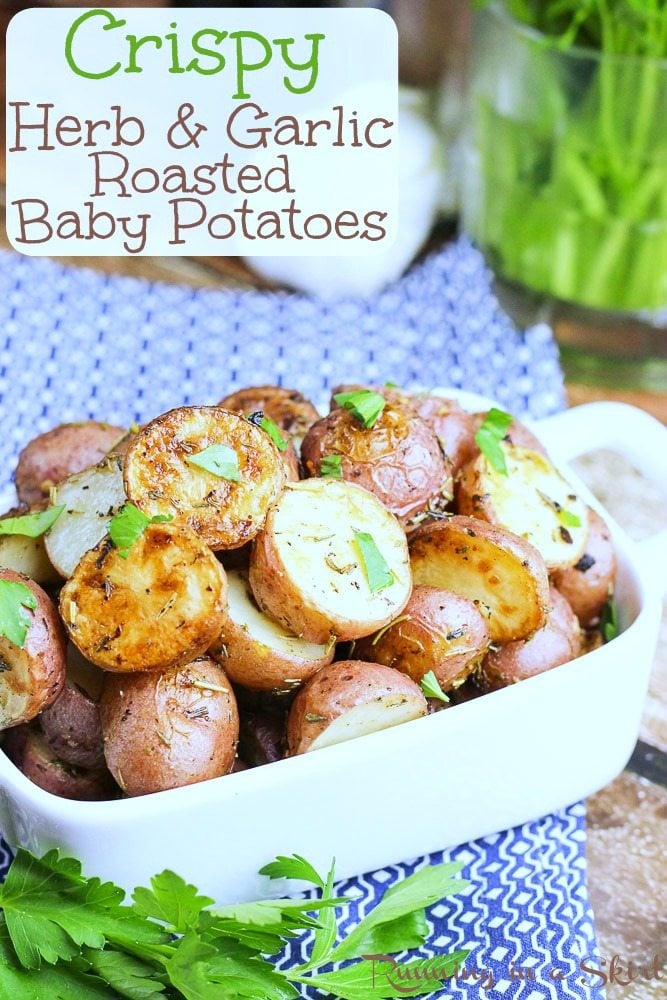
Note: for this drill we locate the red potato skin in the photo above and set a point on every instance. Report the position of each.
(262, 737)
(73, 729)
(557, 642)
(161, 731)
(44, 650)
(48, 459)
(587, 585)
(437, 631)
(29, 750)
(399, 459)
(288, 408)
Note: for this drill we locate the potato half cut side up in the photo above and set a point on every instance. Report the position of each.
(167, 729)
(308, 568)
(348, 699)
(162, 606)
(91, 498)
(31, 675)
(533, 501)
(209, 469)
(502, 574)
(256, 651)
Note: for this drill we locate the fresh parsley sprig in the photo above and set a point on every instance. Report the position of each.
(430, 686)
(64, 935)
(609, 626)
(377, 571)
(364, 405)
(331, 467)
(218, 459)
(31, 525)
(15, 597)
(490, 433)
(128, 525)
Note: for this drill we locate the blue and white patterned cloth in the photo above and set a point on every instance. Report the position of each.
(76, 344)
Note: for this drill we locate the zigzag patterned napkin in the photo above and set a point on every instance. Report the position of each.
(118, 349)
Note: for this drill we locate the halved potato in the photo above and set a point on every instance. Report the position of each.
(533, 501)
(398, 459)
(32, 675)
(27, 555)
(588, 584)
(306, 569)
(91, 499)
(256, 651)
(59, 453)
(160, 479)
(558, 641)
(288, 408)
(348, 699)
(30, 751)
(160, 607)
(503, 575)
(437, 631)
(164, 730)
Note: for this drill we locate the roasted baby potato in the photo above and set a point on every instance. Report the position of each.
(502, 574)
(31, 675)
(164, 476)
(262, 737)
(349, 699)
(26, 555)
(256, 651)
(307, 569)
(30, 751)
(61, 452)
(91, 499)
(558, 641)
(288, 408)
(164, 730)
(437, 631)
(398, 459)
(160, 607)
(72, 727)
(588, 584)
(533, 501)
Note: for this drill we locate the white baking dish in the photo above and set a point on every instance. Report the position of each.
(481, 767)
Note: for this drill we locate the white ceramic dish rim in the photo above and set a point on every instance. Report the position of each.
(617, 426)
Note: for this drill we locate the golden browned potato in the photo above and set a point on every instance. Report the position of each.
(29, 750)
(226, 508)
(91, 498)
(164, 730)
(26, 555)
(348, 699)
(558, 641)
(308, 570)
(398, 459)
(32, 668)
(72, 727)
(588, 584)
(437, 631)
(160, 607)
(503, 575)
(256, 651)
(288, 408)
(533, 501)
(59, 453)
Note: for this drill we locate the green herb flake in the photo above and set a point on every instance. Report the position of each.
(391, 385)
(219, 460)
(129, 524)
(569, 519)
(272, 429)
(15, 597)
(331, 467)
(491, 432)
(609, 620)
(377, 571)
(364, 405)
(430, 686)
(31, 525)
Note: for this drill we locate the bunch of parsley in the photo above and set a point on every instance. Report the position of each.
(63, 935)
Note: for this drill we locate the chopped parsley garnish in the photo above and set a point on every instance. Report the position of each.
(364, 405)
(569, 519)
(15, 597)
(331, 467)
(31, 525)
(609, 620)
(430, 686)
(272, 429)
(377, 571)
(491, 432)
(219, 460)
(129, 524)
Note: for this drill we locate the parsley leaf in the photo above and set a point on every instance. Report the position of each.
(219, 460)
(172, 901)
(331, 466)
(60, 983)
(128, 525)
(569, 519)
(430, 686)
(364, 405)
(272, 429)
(609, 620)
(31, 525)
(491, 432)
(377, 571)
(293, 866)
(14, 620)
(127, 975)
